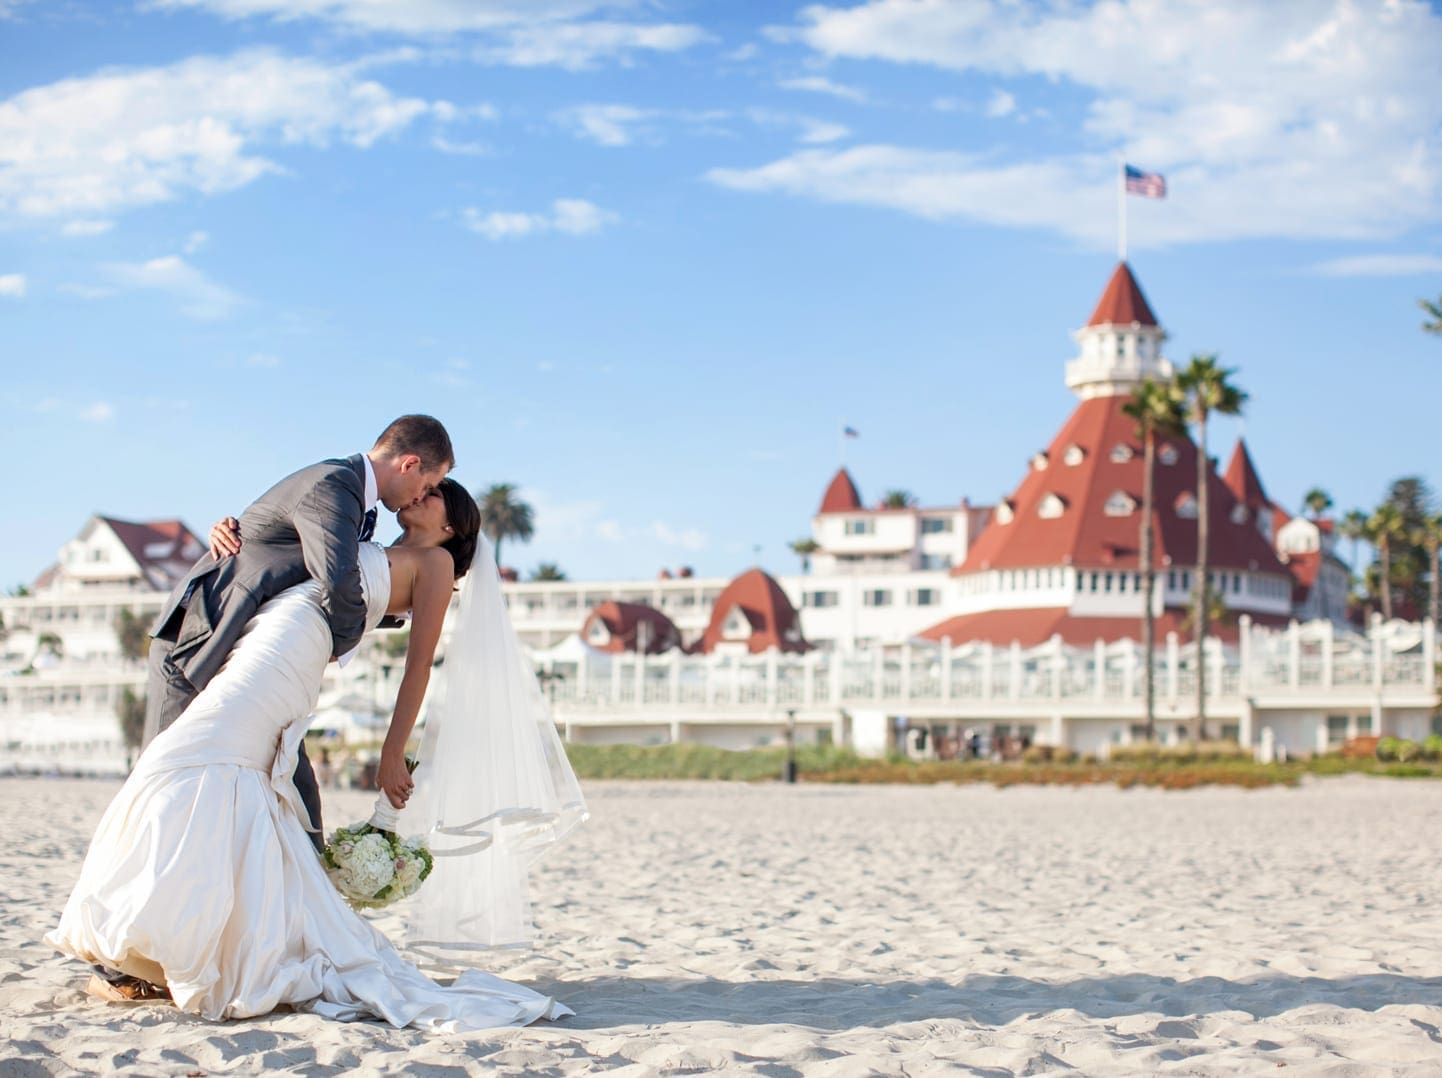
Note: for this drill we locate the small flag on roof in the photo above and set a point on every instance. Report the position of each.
(850, 432)
(1146, 184)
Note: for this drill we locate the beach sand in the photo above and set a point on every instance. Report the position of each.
(863, 930)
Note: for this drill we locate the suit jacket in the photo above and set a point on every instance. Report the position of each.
(304, 527)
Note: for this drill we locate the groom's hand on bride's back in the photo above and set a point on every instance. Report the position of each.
(225, 538)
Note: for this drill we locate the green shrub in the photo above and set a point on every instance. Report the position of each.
(1407, 751)
(1432, 747)
(1387, 749)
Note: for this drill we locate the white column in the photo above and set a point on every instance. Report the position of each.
(675, 678)
(1058, 662)
(1129, 674)
(986, 661)
(1173, 665)
(808, 678)
(1244, 650)
(833, 669)
(1294, 655)
(906, 671)
(1099, 671)
(1013, 670)
(583, 671)
(878, 672)
(772, 672)
(640, 678)
(1329, 645)
(946, 668)
(615, 680)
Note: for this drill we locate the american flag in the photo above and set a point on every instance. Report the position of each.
(1146, 184)
(850, 432)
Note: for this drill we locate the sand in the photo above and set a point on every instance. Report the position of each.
(864, 930)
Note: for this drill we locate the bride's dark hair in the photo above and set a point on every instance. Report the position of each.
(464, 517)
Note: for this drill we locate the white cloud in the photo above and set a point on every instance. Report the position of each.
(133, 137)
(572, 216)
(1300, 120)
(1380, 266)
(466, 149)
(199, 296)
(99, 412)
(812, 131)
(607, 125)
(819, 84)
(580, 45)
(401, 16)
(84, 227)
(13, 285)
(262, 359)
(685, 538)
(195, 241)
(1000, 104)
(86, 291)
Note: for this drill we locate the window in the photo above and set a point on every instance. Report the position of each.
(1120, 504)
(862, 526)
(1121, 453)
(927, 596)
(876, 597)
(1005, 510)
(1039, 461)
(819, 599)
(1074, 455)
(1052, 506)
(1239, 513)
(932, 525)
(1168, 454)
(598, 634)
(1336, 729)
(1187, 506)
(936, 561)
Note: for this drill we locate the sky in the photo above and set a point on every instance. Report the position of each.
(645, 259)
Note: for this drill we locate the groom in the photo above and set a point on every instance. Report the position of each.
(308, 526)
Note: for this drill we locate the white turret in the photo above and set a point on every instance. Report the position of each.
(1121, 343)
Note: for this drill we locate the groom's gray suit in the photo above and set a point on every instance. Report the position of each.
(307, 526)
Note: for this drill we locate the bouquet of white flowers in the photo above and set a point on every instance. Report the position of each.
(371, 865)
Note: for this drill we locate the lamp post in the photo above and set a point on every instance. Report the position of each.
(789, 775)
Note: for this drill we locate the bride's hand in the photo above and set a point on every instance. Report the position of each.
(395, 779)
(224, 538)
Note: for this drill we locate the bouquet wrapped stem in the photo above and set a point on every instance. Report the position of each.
(370, 864)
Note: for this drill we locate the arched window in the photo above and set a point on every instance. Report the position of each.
(1121, 453)
(1052, 506)
(1120, 504)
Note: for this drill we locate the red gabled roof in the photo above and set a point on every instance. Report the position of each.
(1122, 303)
(1083, 535)
(164, 549)
(1242, 479)
(1032, 627)
(623, 622)
(773, 620)
(1304, 569)
(841, 496)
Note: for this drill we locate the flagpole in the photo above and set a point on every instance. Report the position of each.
(1121, 210)
(841, 441)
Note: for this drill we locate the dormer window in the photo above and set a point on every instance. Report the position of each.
(736, 627)
(1039, 461)
(1074, 455)
(1240, 514)
(1121, 453)
(1052, 506)
(1005, 511)
(1120, 504)
(598, 635)
(1187, 506)
(1168, 454)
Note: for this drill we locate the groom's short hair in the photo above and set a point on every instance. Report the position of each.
(421, 435)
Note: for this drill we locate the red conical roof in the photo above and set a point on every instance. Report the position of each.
(773, 620)
(1108, 457)
(841, 496)
(1122, 303)
(1242, 479)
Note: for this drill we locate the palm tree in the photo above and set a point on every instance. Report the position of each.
(898, 499)
(130, 710)
(547, 571)
(803, 549)
(1207, 389)
(1316, 502)
(132, 635)
(1157, 408)
(1435, 311)
(1354, 527)
(1385, 527)
(51, 643)
(504, 516)
(1428, 535)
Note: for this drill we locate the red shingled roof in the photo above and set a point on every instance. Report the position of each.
(841, 496)
(164, 549)
(773, 620)
(1032, 627)
(1122, 303)
(1242, 479)
(1084, 535)
(623, 623)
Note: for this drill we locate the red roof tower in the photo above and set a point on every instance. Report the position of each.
(841, 495)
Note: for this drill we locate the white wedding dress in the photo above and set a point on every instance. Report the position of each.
(201, 875)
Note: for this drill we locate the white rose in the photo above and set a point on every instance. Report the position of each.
(371, 866)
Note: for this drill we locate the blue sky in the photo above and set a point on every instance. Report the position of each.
(644, 258)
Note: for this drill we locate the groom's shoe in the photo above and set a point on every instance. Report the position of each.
(125, 990)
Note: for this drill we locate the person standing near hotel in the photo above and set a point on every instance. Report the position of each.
(307, 526)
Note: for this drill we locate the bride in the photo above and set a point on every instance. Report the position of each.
(201, 876)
